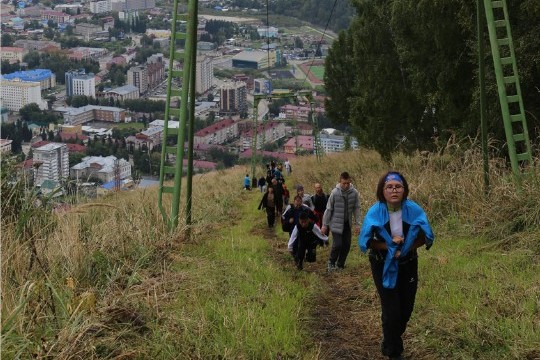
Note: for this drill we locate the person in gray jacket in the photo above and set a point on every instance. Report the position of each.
(342, 211)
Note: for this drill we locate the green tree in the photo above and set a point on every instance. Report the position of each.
(7, 39)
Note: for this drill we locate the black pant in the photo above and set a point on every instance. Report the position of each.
(303, 245)
(397, 304)
(271, 216)
(341, 245)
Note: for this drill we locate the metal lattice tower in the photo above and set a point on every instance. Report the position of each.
(172, 157)
(504, 61)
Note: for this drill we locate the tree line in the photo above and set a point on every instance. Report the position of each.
(405, 74)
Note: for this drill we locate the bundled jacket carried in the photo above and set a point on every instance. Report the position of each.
(343, 206)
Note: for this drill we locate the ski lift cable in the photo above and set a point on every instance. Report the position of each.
(320, 41)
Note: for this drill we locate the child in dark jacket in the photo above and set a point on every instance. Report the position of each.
(304, 240)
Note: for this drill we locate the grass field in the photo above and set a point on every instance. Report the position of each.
(318, 71)
(130, 125)
(107, 279)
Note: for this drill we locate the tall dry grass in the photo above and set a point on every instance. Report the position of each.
(77, 275)
(89, 282)
(449, 185)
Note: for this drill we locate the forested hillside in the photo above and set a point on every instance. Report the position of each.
(314, 11)
(414, 65)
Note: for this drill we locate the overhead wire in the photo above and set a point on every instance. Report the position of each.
(320, 41)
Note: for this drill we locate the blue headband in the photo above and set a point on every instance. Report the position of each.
(393, 176)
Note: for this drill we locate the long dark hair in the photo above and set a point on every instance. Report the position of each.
(380, 186)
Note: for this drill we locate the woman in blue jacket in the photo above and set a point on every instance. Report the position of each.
(393, 228)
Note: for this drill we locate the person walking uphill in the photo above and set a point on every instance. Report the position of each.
(393, 228)
(268, 202)
(342, 209)
(306, 236)
(247, 183)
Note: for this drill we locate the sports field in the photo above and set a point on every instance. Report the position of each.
(318, 72)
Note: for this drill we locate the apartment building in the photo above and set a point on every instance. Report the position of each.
(103, 168)
(336, 143)
(266, 133)
(155, 70)
(51, 162)
(99, 7)
(45, 77)
(138, 77)
(233, 98)
(80, 83)
(84, 114)
(204, 74)
(217, 133)
(17, 93)
(12, 54)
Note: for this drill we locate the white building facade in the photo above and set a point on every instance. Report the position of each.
(204, 74)
(51, 162)
(15, 94)
(99, 7)
(336, 143)
(100, 167)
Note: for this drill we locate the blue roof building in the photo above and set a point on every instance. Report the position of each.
(44, 76)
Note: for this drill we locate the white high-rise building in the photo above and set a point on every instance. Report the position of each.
(204, 74)
(80, 83)
(99, 7)
(51, 162)
(16, 93)
(85, 86)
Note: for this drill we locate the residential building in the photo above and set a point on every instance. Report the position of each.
(299, 113)
(155, 70)
(299, 143)
(130, 5)
(233, 98)
(51, 162)
(5, 146)
(69, 8)
(87, 53)
(103, 168)
(126, 92)
(45, 77)
(256, 59)
(36, 45)
(204, 74)
(267, 32)
(217, 133)
(262, 86)
(56, 16)
(100, 7)
(158, 33)
(88, 31)
(138, 77)
(16, 94)
(266, 133)
(148, 138)
(80, 83)
(84, 114)
(12, 54)
(336, 143)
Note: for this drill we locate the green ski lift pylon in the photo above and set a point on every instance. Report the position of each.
(185, 75)
(280, 94)
(504, 61)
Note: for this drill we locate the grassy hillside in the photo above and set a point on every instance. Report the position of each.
(106, 280)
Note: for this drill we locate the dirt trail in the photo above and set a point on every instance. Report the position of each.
(345, 319)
